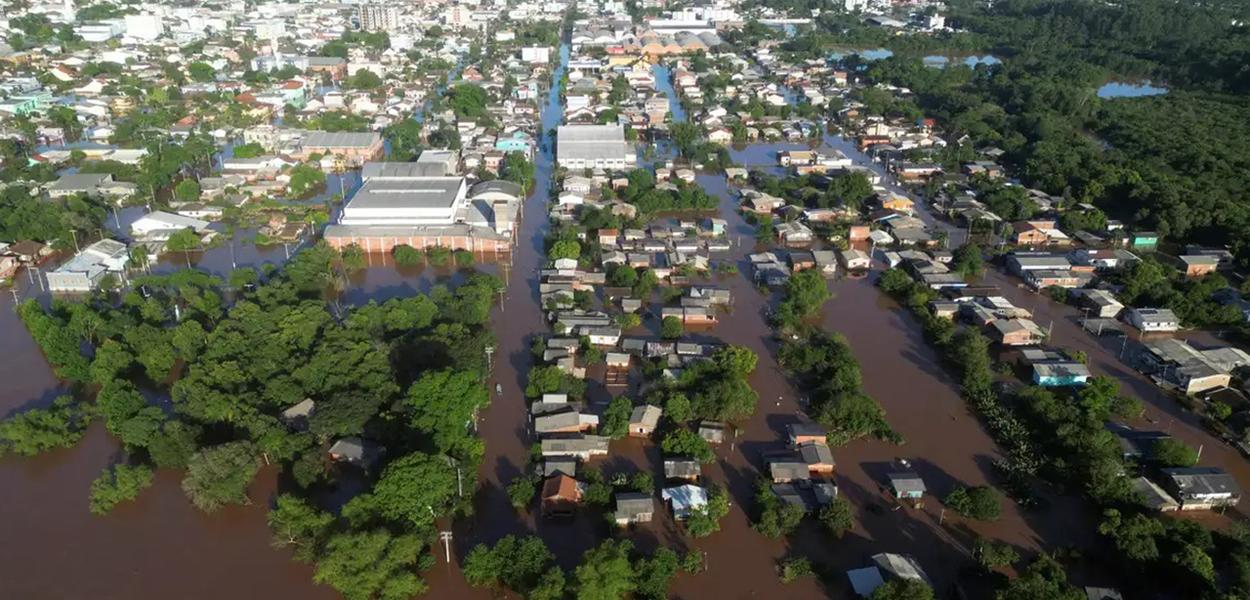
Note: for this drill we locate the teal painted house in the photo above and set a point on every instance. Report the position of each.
(1060, 374)
(519, 142)
(1145, 240)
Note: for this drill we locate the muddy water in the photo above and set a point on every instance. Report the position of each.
(158, 546)
(945, 445)
(504, 425)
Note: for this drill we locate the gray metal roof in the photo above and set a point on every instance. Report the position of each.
(497, 186)
(633, 503)
(371, 170)
(1203, 481)
(589, 142)
(788, 469)
(906, 482)
(340, 139)
(416, 192)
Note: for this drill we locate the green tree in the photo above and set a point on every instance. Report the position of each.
(438, 256)
(735, 361)
(1043, 580)
(369, 565)
(41, 429)
(297, 525)
(705, 520)
(112, 360)
(407, 256)
(677, 408)
(627, 321)
(776, 518)
(249, 150)
(187, 190)
(903, 589)
(467, 100)
(615, 423)
(363, 79)
(967, 260)
(517, 563)
(443, 404)
(173, 446)
(565, 249)
(683, 442)
(895, 282)
(219, 475)
(413, 490)
(670, 328)
(980, 502)
(405, 139)
(183, 240)
(550, 586)
(622, 275)
(794, 569)
(117, 401)
(647, 281)
(652, 575)
(1135, 536)
(805, 293)
(201, 72)
(605, 572)
(992, 555)
(518, 169)
(1171, 452)
(838, 517)
(118, 484)
(304, 179)
(521, 491)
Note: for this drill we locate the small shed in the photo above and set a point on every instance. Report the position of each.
(561, 495)
(788, 470)
(355, 451)
(907, 484)
(557, 465)
(684, 499)
(643, 420)
(296, 417)
(682, 468)
(865, 581)
(712, 431)
(633, 507)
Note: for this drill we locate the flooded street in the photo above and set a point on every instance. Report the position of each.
(161, 546)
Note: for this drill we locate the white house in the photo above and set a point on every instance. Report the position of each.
(83, 272)
(159, 225)
(1153, 319)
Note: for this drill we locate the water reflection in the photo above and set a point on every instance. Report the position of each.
(1120, 89)
(941, 62)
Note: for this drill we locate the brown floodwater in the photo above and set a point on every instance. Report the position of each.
(161, 546)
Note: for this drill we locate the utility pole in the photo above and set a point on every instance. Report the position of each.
(446, 537)
(74, 234)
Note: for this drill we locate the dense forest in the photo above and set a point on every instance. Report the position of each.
(1172, 163)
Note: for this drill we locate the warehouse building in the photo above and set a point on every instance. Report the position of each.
(597, 147)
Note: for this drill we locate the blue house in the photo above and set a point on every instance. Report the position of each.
(1060, 373)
